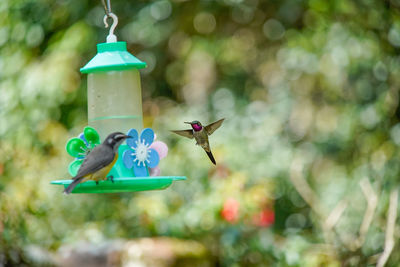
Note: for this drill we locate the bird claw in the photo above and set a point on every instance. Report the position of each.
(111, 178)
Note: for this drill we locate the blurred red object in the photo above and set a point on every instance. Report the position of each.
(230, 211)
(265, 218)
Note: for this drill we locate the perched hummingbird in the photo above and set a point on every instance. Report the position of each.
(201, 134)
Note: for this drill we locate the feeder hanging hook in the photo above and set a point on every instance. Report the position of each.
(111, 38)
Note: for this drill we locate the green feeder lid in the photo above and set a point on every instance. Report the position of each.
(123, 184)
(112, 57)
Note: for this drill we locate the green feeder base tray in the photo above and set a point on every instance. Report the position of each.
(123, 184)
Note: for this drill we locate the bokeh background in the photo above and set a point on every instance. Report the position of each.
(310, 93)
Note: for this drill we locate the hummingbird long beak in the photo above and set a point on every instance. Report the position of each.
(188, 122)
(128, 136)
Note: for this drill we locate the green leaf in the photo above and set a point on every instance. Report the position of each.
(91, 136)
(76, 147)
(74, 166)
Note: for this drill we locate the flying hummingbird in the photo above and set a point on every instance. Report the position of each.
(201, 134)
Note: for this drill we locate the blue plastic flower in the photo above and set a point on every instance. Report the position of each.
(140, 156)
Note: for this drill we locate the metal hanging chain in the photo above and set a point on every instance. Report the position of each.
(107, 8)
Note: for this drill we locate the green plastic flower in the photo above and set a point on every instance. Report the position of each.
(80, 146)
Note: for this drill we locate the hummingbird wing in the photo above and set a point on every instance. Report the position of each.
(185, 133)
(213, 126)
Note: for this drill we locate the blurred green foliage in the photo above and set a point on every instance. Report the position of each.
(316, 81)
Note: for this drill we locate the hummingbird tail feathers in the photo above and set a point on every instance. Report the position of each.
(72, 185)
(210, 155)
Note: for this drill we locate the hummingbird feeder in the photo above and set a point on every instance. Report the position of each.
(115, 104)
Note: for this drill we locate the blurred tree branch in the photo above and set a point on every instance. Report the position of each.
(372, 202)
(335, 215)
(311, 198)
(301, 185)
(391, 221)
(329, 221)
